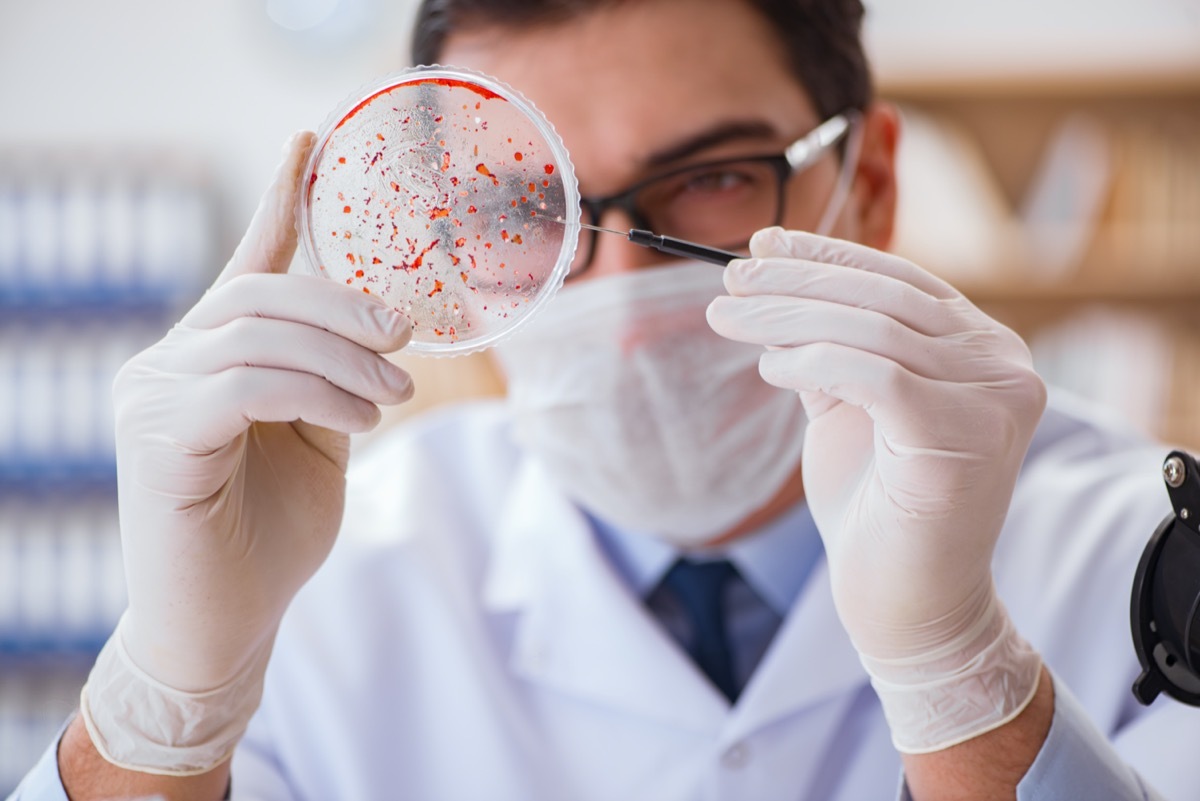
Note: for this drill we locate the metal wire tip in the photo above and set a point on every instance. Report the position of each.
(561, 221)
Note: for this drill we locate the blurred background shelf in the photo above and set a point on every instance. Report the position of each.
(98, 256)
(51, 479)
(1168, 82)
(1163, 293)
(1063, 198)
(103, 303)
(34, 652)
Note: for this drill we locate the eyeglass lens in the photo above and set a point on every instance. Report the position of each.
(719, 205)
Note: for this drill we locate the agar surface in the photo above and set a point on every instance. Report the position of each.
(433, 194)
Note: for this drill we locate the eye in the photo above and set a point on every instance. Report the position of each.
(717, 180)
(718, 202)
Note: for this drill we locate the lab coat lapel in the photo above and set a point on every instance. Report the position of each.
(579, 629)
(810, 660)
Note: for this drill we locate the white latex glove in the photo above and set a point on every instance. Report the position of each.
(920, 411)
(232, 443)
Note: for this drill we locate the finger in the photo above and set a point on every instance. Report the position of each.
(270, 239)
(776, 242)
(787, 322)
(229, 402)
(281, 345)
(897, 399)
(816, 403)
(807, 279)
(909, 408)
(307, 300)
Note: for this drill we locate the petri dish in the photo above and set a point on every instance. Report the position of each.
(449, 195)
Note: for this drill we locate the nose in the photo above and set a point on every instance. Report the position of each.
(615, 254)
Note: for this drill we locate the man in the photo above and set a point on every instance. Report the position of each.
(506, 614)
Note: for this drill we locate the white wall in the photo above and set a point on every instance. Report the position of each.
(215, 79)
(219, 80)
(912, 40)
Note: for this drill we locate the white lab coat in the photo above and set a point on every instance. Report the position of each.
(468, 640)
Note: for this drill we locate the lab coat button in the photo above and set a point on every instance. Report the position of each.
(735, 756)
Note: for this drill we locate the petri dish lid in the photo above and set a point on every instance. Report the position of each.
(444, 192)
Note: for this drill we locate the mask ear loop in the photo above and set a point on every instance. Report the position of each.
(841, 190)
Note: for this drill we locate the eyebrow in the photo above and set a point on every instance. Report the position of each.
(719, 134)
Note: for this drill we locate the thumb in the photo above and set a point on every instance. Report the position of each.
(270, 239)
(777, 242)
(816, 403)
(774, 242)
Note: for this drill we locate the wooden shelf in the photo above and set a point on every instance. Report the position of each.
(942, 84)
(1083, 291)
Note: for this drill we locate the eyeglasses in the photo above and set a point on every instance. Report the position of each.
(718, 203)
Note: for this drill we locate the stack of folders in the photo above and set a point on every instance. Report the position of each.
(35, 704)
(97, 258)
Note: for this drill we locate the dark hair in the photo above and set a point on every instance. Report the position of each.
(821, 38)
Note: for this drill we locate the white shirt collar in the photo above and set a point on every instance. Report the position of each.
(775, 560)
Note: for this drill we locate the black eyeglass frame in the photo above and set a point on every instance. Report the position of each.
(796, 157)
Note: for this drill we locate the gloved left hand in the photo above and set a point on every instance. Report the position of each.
(233, 435)
(921, 408)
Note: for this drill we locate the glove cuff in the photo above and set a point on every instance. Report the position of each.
(138, 723)
(965, 690)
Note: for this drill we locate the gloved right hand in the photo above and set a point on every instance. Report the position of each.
(232, 442)
(920, 410)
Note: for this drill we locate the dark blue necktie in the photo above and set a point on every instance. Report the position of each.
(700, 589)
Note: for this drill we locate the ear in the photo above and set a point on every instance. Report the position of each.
(874, 189)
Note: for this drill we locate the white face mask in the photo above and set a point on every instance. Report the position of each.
(645, 416)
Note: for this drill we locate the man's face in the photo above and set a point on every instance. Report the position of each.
(642, 88)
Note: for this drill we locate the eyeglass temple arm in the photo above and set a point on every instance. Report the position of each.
(820, 139)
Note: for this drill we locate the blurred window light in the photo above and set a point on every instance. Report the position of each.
(323, 23)
(301, 15)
